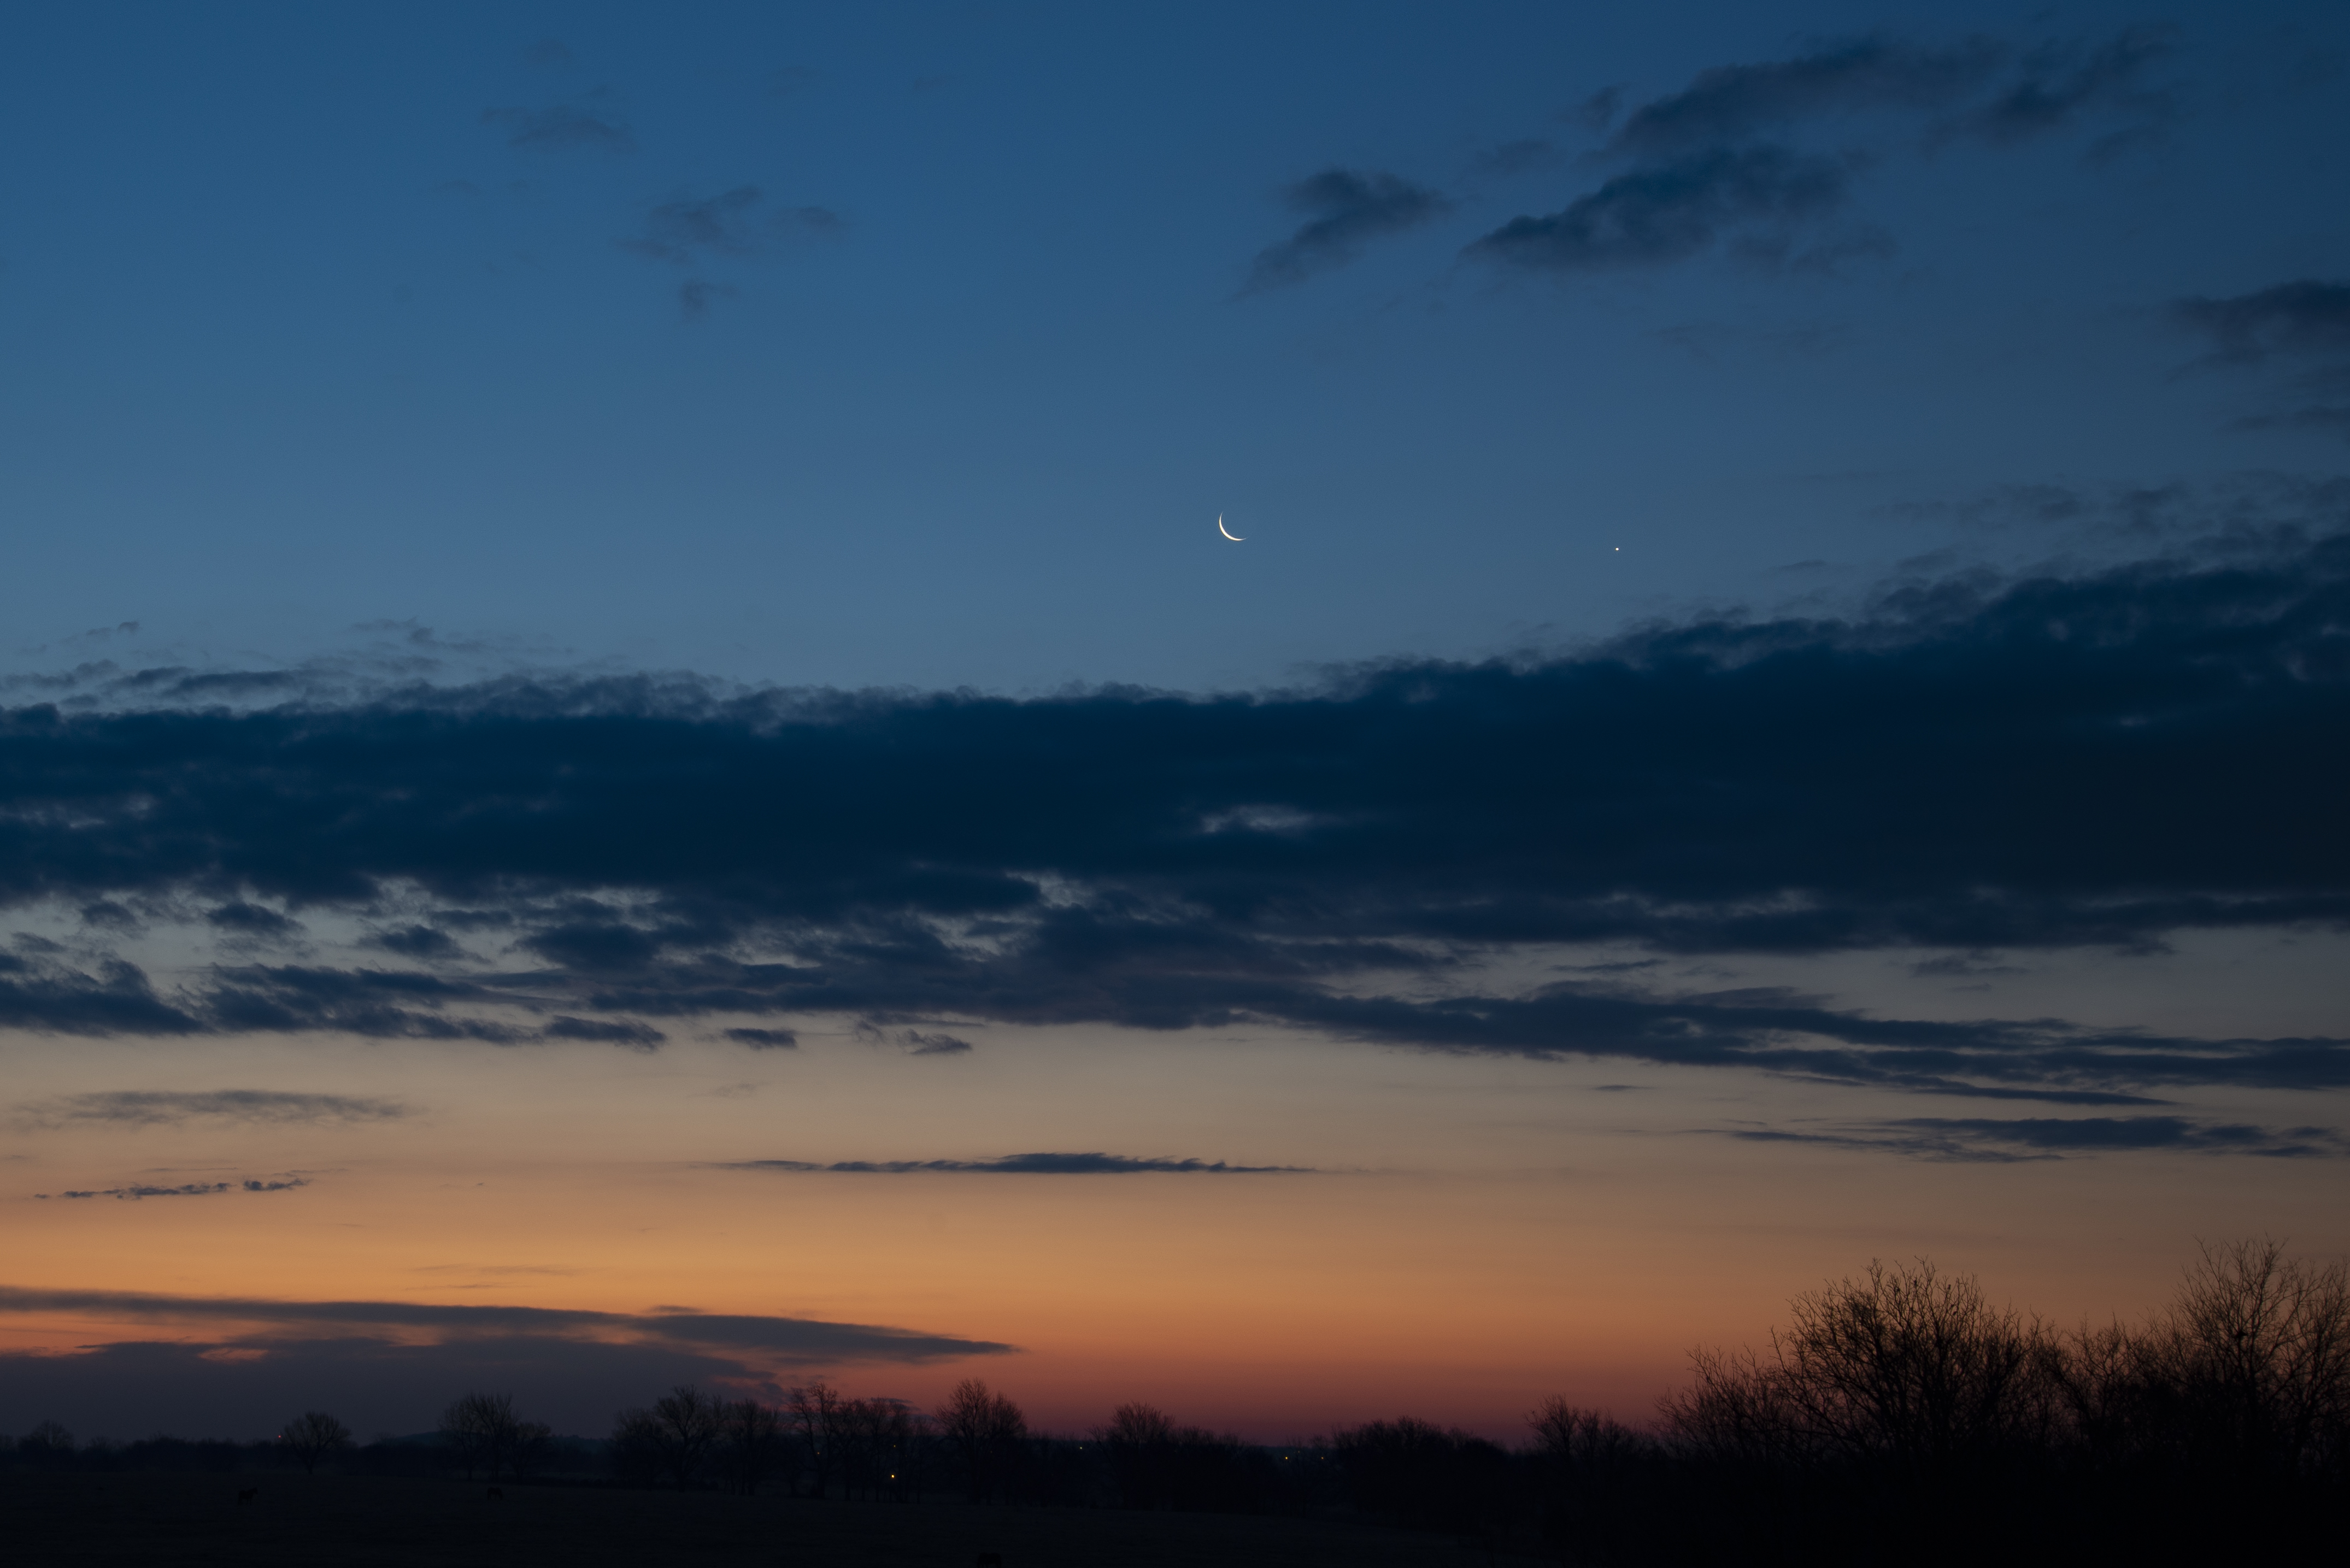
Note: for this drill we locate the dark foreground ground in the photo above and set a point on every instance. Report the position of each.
(369, 1520)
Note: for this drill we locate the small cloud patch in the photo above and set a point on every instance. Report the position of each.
(562, 128)
(915, 1042)
(737, 223)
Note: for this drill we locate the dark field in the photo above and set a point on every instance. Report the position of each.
(369, 1519)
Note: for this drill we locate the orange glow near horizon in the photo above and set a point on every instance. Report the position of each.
(1571, 1243)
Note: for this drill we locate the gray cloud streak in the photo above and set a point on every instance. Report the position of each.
(167, 1108)
(1985, 1140)
(1346, 210)
(1092, 1164)
(188, 1190)
(785, 1339)
(562, 128)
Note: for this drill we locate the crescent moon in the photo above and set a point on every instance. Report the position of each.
(1227, 533)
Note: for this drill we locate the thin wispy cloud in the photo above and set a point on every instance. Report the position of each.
(2301, 329)
(1760, 158)
(764, 1039)
(1983, 1139)
(786, 1339)
(695, 297)
(1673, 210)
(1091, 1164)
(609, 1031)
(914, 1041)
(1728, 104)
(1345, 210)
(170, 1107)
(2307, 316)
(2057, 86)
(563, 128)
(238, 918)
(187, 1190)
(739, 222)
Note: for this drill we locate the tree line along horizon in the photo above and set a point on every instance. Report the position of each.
(1897, 1393)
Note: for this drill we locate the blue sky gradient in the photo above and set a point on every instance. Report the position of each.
(629, 750)
(326, 320)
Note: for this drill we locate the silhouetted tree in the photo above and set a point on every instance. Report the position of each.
(686, 1428)
(1419, 1474)
(635, 1450)
(864, 1429)
(2257, 1348)
(1914, 1371)
(1587, 1439)
(2241, 1387)
(1905, 1371)
(1154, 1463)
(869, 1435)
(813, 1410)
(312, 1435)
(479, 1431)
(1137, 1445)
(532, 1446)
(751, 1436)
(902, 1448)
(1601, 1480)
(1897, 1397)
(46, 1443)
(985, 1430)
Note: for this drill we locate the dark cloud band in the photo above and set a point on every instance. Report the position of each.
(2090, 760)
(2065, 761)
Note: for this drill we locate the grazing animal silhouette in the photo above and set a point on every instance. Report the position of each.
(497, 1495)
(247, 1495)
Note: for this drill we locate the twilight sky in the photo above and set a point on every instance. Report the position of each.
(629, 752)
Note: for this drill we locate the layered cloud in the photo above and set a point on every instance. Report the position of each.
(2094, 759)
(1760, 156)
